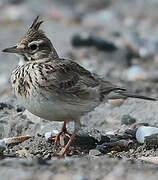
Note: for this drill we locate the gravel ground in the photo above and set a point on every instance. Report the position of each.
(132, 27)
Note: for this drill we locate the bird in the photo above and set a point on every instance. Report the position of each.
(55, 88)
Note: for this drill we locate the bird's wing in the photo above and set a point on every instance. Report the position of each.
(71, 82)
(68, 79)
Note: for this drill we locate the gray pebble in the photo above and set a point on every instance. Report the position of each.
(127, 120)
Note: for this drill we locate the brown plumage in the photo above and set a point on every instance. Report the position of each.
(57, 89)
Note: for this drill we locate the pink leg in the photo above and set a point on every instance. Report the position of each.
(63, 152)
(63, 131)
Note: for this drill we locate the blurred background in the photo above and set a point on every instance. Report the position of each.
(115, 39)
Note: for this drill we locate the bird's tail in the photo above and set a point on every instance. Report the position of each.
(123, 94)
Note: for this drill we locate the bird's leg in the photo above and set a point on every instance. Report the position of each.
(63, 152)
(63, 131)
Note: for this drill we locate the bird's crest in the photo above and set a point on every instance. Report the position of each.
(33, 33)
(35, 25)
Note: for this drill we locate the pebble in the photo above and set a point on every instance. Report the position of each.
(144, 131)
(4, 105)
(116, 102)
(49, 134)
(94, 152)
(81, 40)
(127, 120)
(115, 146)
(152, 140)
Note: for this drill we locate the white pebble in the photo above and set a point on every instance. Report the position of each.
(49, 134)
(55, 132)
(144, 131)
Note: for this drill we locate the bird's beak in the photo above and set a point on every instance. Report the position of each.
(14, 49)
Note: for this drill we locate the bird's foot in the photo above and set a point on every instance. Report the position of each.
(62, 134)
(64, 152)
(59, 137)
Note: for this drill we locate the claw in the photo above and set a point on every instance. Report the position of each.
(67, 147)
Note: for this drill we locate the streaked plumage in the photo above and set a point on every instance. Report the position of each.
(57, 89)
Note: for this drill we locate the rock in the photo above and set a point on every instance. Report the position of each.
(5, 105)
(116, 102)
(94, 152)
(144, 131)
(137, 125)
(127, 120)
(152, 140)
(93, 41)
(115, 146)
(48, 135)
(84, 141)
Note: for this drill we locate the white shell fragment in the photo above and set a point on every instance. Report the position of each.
(50, 134)
(144, 131)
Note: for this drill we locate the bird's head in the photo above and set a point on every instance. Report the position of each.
(34, 46)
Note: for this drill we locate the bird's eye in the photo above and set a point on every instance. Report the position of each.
(33, 47)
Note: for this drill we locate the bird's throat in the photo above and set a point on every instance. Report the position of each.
(22, 59)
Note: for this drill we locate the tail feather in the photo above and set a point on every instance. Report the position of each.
(121, 94)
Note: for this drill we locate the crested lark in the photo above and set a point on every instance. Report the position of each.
(57, 89)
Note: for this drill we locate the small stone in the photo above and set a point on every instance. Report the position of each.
(22, 153)
(116, 102)
(47, 156)
(137, 125)
(144, 131)
(127, 120)
(4, 105)
(131, 151)
(152, 140)
(48, 135)
(94, 152)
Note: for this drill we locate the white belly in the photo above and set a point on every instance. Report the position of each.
(56, 111)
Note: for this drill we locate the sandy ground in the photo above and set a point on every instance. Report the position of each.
(132, 27)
